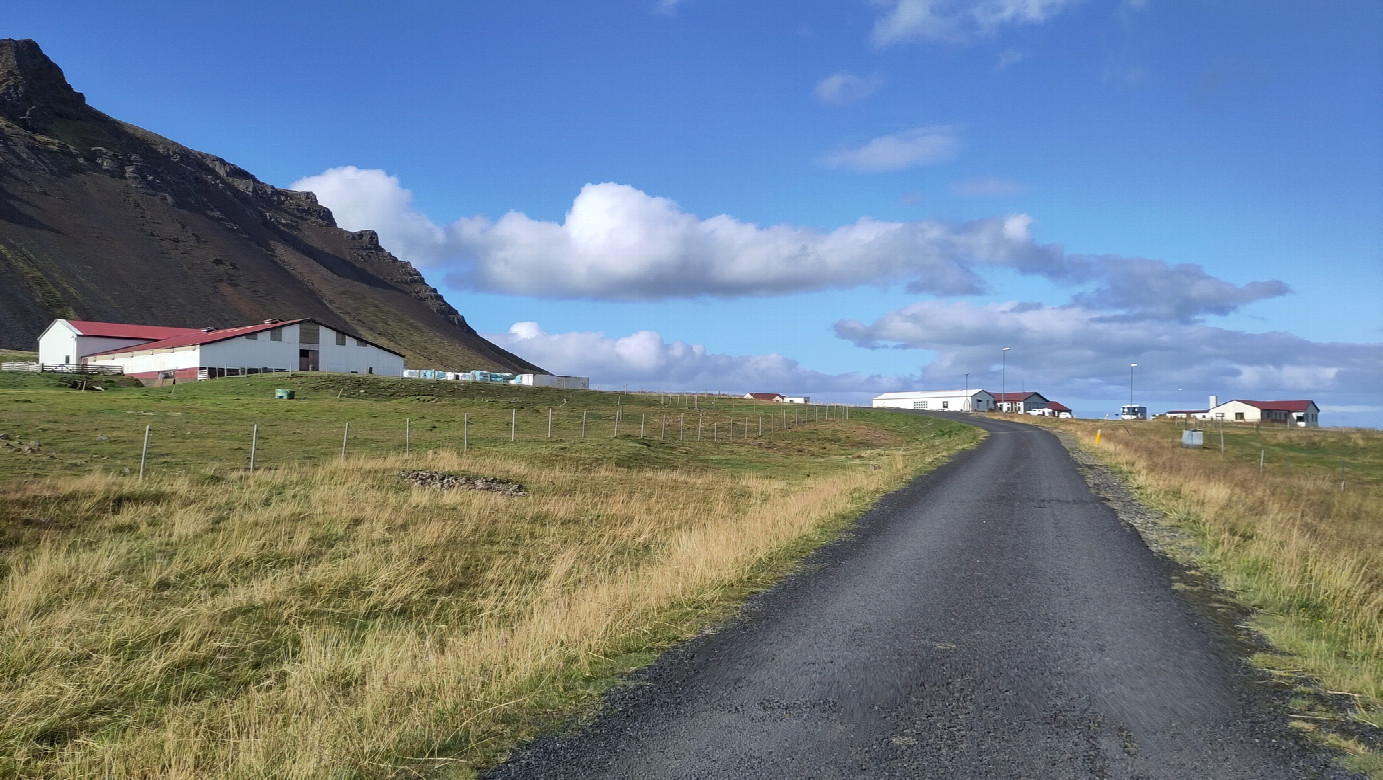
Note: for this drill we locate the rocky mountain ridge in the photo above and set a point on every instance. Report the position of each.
(103, 220)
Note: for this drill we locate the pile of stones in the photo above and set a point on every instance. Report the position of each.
(441, 480)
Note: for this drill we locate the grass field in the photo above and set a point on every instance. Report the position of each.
(320, 617)
(1299, 538)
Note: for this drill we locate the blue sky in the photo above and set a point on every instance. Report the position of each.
(826, 198)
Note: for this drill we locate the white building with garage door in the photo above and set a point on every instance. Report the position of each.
(937, 400)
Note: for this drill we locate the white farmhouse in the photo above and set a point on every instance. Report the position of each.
(1301, 413)
(273, 345)
(937, 400)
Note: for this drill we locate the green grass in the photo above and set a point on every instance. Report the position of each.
(321, 618)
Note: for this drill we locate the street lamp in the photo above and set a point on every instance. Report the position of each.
(1131, 366)
(1003, 386)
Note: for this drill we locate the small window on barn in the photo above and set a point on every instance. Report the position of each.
(1238, 415)
(340, 339)
(309, 333)
(276, 334)
(252, 336)
(359, 343)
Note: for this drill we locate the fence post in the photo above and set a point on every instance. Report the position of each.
(549, 422)
(583, 423)
(407, 435)
(761, 425)
(465, 431)
(1260, 461)
(513, 423)
(699, 420)
(254, 441)
(662, 435)
(715, 431)
(344, 438)
(642, 417)
(144, 455)
(682, 427)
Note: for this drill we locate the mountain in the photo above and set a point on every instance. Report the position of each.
(102, 220)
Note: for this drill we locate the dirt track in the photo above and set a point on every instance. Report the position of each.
(992, 619)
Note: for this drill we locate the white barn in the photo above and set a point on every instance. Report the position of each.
(66, 342)
(937, 400)
(273, 345)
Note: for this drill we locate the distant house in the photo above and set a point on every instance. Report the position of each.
(778, 397)
(1019, 402)
(937, 400)
(797, 399)
(1301, 413)
(157, 355)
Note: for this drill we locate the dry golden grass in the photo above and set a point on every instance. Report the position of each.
(1287, 540)
(333, 621)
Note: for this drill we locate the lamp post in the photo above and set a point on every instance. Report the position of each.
(1003, 384)
(1131, 366)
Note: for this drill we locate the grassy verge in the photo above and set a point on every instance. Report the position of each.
(321, 617)
(1299, 538)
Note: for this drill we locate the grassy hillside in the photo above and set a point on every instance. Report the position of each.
(323, 617)
(1298, 538)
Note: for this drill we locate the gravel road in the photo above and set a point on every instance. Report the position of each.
(991, 619)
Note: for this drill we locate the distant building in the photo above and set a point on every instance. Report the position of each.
(797, 399)
(1301, 413)
(552, 380)
(937, 400)
(1019, 402)
(1052, 409)
(156, 355)
(778, 397)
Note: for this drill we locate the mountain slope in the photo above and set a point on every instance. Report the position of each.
(101, 220)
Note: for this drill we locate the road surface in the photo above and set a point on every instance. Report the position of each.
(991, 619)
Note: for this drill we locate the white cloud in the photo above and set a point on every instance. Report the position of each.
(667, 6)
(644, 360)
(957, 21)
(986, 187)
(1007, 58)
(843, 88)
(618, 243)
(367, 199)
(908, 149)
(1081, 352)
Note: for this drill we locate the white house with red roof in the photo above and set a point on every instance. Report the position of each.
(155, 354)
(777, 397)
(1301, 413)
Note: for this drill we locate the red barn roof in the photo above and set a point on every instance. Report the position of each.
(1058, 406)
(116, 330)
(1015, 397)
(766, 396)
(1280, 406)
(190, 338)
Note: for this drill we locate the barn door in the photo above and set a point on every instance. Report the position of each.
(308, 359)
